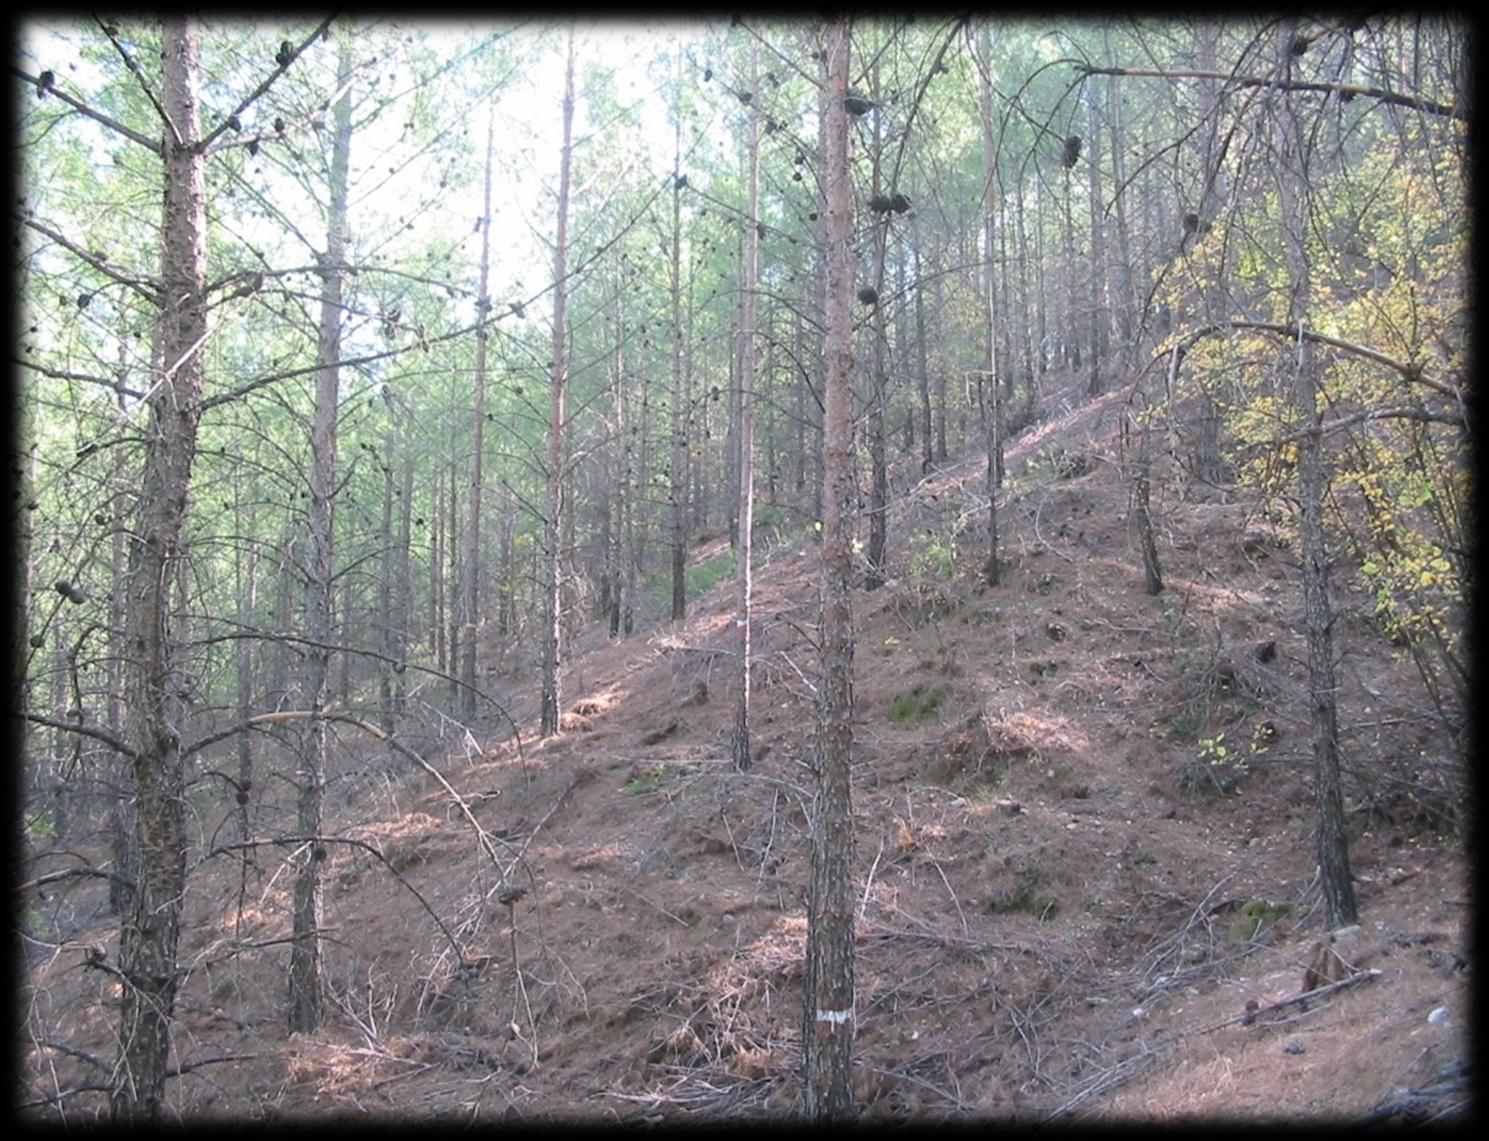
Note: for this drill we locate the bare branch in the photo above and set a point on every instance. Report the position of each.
(1409, 370)
(145, 289)
(1416, 102)
(82, 377)
(74, 873)
(297, 640)
(149, 144)
(371, 849)
(118, 744)
(282, 65)
(487, 841)
(134, 69)
(187, 1067)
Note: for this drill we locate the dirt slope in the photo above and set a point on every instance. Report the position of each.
(1083, 849)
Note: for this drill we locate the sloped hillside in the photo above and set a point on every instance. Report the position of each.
(1084, 857)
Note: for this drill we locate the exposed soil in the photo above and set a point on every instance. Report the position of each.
(1068, 894)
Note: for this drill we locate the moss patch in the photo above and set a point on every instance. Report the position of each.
(1251, 917)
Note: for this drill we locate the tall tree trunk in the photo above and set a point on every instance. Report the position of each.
(48, 782)
(22, 470)
(994, 421)
(548, 718)
(943, 365)
(151, 934)
(506, 603)
(245, 584)
(1292, 170)
(472, 579)
(437, 573)
(385, 592)
(829, 1019)
(404, 606)
(878, 411)
(677, 466)
(799, 411)
(1125, 302)
(1209, 464)
(617, 547)
(736, 388)
(1039, 276)
(749, 315)
(902, 343)
(1026, 307)
(1070, 332)
(121, 795)
(1100, 317)
(922, 370)
(454, 595)
(305, 981)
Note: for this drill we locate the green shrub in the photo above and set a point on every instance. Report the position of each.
(917, 707)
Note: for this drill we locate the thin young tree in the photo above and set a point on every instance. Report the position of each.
(548, 717)
(472, 579)
(1098, 310)
(829, 1019)
(1294, 191)
(749, 317)
(151, 933)
(677, 461)
(306, 988)
(994, 425)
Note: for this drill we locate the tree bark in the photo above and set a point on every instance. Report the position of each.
(151, 934)
(403, 562)
(305, 974)
(993, 425)
(617, 550)
(1208, 461)
(385, 579)
(878, 412)
(749, 315)
(1100, 319)
(922, 370)
(246, 589)
(437, 574)
(1125, 303)
(1070, 327)
(1042, 309)
(1292, 170)
(829, 1019)
(548, 717)
(472, 578)
(121, 793)
(677, 465)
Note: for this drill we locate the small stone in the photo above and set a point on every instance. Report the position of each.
(1293, 1046)
(1438, 1016)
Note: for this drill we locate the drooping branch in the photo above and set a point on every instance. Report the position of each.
(298, 640)
(1385, 95)
(285, 716)
(118, 744)
(44, 83)
(1410, 371)
(371, 849)
(72, 874)
(145, 288)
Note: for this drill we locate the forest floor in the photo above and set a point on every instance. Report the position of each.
(1084, 848)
